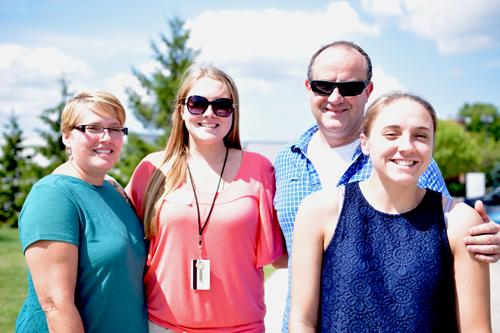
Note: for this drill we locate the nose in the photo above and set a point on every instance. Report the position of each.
(335, 97)
(209, 112)
(105, 135)
(405, 143)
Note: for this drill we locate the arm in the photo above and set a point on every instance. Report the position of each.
(483, 240)
(309, 237)
(472, 286)
(53, 266)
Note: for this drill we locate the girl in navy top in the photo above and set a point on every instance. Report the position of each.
(384, 255)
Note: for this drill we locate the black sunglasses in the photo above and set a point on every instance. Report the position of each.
(197, 105)
(325, 88)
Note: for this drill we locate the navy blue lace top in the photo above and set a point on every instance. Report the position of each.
(388, 273)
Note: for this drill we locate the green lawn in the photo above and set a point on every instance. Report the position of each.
(13, 283)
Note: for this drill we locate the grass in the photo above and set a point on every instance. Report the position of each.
(13, 284)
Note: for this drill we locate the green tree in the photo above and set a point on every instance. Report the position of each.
(53, 149)
(14, 172)
(456, 151)
(153, 110)
(482, 118)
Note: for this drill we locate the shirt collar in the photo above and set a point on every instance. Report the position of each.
(302, 141)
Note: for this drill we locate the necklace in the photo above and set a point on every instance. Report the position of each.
(200, 269)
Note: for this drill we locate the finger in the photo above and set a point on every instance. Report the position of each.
(485, 228)
(489, 259)
(484, 249)
(483, 239)
(479, 207)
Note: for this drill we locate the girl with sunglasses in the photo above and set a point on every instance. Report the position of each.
(384, 255)
(207, 208)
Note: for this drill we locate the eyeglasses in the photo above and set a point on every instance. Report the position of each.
(325, 88)
(197, 105)
(98, 130)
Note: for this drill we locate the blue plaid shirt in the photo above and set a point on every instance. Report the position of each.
(296, 178)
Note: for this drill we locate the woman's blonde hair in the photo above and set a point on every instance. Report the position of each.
(173, 168)
(100, 102)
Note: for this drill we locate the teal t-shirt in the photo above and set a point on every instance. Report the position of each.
(109, 292)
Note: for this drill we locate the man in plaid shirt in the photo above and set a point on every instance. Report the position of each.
(328, 154)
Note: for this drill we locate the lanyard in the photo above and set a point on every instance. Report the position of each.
(200, 227)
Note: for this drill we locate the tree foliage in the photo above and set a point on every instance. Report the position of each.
(154, 107)
(53, 149)
(14, 172)
(482, 118)
(161, 85)
(456, 151)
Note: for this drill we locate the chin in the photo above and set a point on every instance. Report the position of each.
(104, 167)
(405, 180)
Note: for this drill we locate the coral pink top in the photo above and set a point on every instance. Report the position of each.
(241, 237)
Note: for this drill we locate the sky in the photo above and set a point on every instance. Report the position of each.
(448, 51)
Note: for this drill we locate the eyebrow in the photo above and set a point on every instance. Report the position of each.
(399, 127)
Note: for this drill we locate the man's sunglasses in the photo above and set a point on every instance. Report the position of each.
(325, 88)
(197, 105)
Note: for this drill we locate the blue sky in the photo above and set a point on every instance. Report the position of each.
(446, 50)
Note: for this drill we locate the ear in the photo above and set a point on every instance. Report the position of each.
(308, 85)
(364, 144)
(369, 90)
(66, 138)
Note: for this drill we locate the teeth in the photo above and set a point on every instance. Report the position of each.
(404, 162)
(103, 151)
(209, 125)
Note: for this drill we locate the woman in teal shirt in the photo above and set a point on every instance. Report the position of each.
(84, 245)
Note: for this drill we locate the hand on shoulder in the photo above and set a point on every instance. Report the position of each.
(460, 219)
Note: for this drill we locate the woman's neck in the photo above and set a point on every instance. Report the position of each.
(391, 197)
(71, 168)
(211, 154)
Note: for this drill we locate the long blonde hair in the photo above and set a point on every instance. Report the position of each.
(173, 168)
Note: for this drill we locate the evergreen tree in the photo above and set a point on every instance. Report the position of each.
(14, 172)
(53, 149)
(154, 109)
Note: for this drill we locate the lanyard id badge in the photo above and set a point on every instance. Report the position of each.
(200, 268)
(200, 274)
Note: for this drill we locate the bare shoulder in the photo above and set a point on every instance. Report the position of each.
(460, 219)
(322, 203)
(155, 158)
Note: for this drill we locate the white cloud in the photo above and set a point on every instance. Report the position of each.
(456, 26)
(29, 80)
(117, 86)
(383, 83)
(44, 61)
(243, 35)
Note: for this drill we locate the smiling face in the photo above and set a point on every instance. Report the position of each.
(339, 117)
(93, 155)
(207, 128)
(400, 141)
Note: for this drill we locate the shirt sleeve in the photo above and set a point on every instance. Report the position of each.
(269, 238)
(433, 179)
(49, 213)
